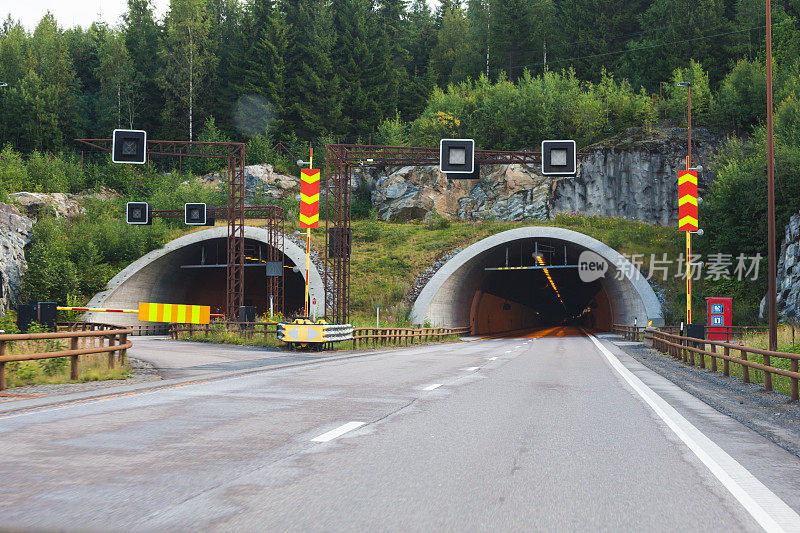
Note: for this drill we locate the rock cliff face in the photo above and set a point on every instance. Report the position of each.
(15, 233)
(634, 174)
(788, 280)
(510, 192)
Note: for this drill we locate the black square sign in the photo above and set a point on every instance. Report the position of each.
(194, 214)
(457, 156)
(559, 158)
(129, 146)
(137, 213)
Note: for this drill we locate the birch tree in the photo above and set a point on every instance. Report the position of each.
(188, 60)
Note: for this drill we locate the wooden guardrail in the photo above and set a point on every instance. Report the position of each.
(361, 336)
(100, 340)
(403, 336)
(247, 329)
(686, 349)
(634, 333)
(631, 333)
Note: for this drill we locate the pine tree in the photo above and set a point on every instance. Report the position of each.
(142, 39)
(352, 60)
(260, 69)
(313, 105)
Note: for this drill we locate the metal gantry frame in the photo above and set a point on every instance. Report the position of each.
(234, 212)
(341, 158)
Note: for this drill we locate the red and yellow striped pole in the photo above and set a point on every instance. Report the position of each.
(309, 212)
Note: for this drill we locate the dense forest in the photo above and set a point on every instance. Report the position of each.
(301, 71)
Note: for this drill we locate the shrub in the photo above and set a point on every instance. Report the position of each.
(435, 221)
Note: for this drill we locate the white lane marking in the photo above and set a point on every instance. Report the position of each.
(434, 386)
(508, 351)
(764, 506)
(471, 369)
(493, 359)
(338, 432)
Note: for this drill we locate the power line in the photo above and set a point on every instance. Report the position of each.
(659, 45)
(619, 36)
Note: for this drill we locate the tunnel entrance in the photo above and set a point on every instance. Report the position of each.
(528, 278)
(202, 277)
(534, 283)
(192, 270)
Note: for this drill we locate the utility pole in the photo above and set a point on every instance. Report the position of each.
(771, 289)
(488, 27)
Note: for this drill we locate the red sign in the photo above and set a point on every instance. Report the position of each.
(720, 318)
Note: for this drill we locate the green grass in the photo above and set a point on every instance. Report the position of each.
(92, 367)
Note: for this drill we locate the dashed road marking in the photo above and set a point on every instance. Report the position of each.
(471, 368)
(338, 432)
(433, 386)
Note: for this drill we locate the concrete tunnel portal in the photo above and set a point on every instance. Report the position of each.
(468, 290)
(192, 270)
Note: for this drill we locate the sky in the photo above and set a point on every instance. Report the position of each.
(71, 13)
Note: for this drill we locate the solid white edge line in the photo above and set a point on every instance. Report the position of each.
(434, 386)
(338, 432)
(764, 506)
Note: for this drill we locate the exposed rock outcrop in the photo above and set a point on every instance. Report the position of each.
(15, 233)
(634, 174)
(259, 179)
(58, 204)
(511, 192)
(788, 280)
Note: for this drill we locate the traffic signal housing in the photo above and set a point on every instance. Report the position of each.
(137, 213)
(129, 146)
(457, 158)
(195, 214)
(559, 158)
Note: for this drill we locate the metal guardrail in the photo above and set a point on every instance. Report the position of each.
(94, 341)
(403, 336)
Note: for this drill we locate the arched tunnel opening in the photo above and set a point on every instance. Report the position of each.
(192, 269)
(201, 277)
(535, 283)
(529, 277)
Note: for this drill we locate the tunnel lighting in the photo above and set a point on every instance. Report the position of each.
(550, 279)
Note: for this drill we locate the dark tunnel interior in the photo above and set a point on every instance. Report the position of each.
(202, 277)
(517, 298)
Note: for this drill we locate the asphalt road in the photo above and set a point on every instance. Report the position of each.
(539, 433)
(185, 359)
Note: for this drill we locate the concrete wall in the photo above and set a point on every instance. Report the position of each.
(446, 299)
(492, 314)
(154, 276)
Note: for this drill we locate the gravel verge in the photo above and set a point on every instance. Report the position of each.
(770, 414)
(141, 372)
